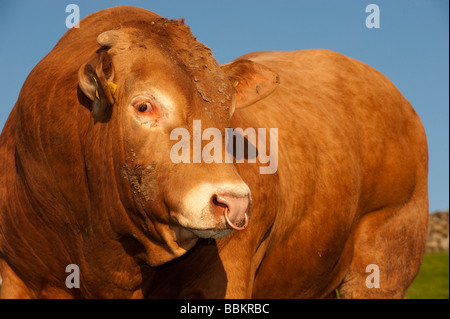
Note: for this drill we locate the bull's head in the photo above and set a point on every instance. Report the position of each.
(147, 81)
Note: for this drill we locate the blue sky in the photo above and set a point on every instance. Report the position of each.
(411, 47)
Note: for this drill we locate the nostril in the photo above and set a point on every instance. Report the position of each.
(216, 202)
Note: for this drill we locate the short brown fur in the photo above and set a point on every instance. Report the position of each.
(350, 190)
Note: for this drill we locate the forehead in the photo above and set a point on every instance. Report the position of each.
(167, 53)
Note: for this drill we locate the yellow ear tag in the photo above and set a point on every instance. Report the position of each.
(96, 90)
(236, 83)
(112, 87)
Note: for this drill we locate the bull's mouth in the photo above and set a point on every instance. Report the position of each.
(215, 221)
(184, 236)
(184, 233)
(211, 233)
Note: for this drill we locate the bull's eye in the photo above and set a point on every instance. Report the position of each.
(144, 107)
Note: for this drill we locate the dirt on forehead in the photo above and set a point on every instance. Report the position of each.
(176, 40)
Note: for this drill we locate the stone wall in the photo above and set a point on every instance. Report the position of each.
(437, 239)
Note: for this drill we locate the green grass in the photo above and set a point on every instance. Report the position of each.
(432, 279)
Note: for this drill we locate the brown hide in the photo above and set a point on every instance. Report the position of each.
(350, 189)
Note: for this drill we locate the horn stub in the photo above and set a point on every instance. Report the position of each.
(108, 38)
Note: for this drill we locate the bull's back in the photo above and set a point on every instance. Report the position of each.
(348, 144)
(347, 114)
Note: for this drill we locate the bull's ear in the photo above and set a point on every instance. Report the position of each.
(251, 81)
(95, 81)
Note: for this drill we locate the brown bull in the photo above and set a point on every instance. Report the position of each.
(88, 177)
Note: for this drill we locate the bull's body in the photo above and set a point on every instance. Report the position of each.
(350, 189)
